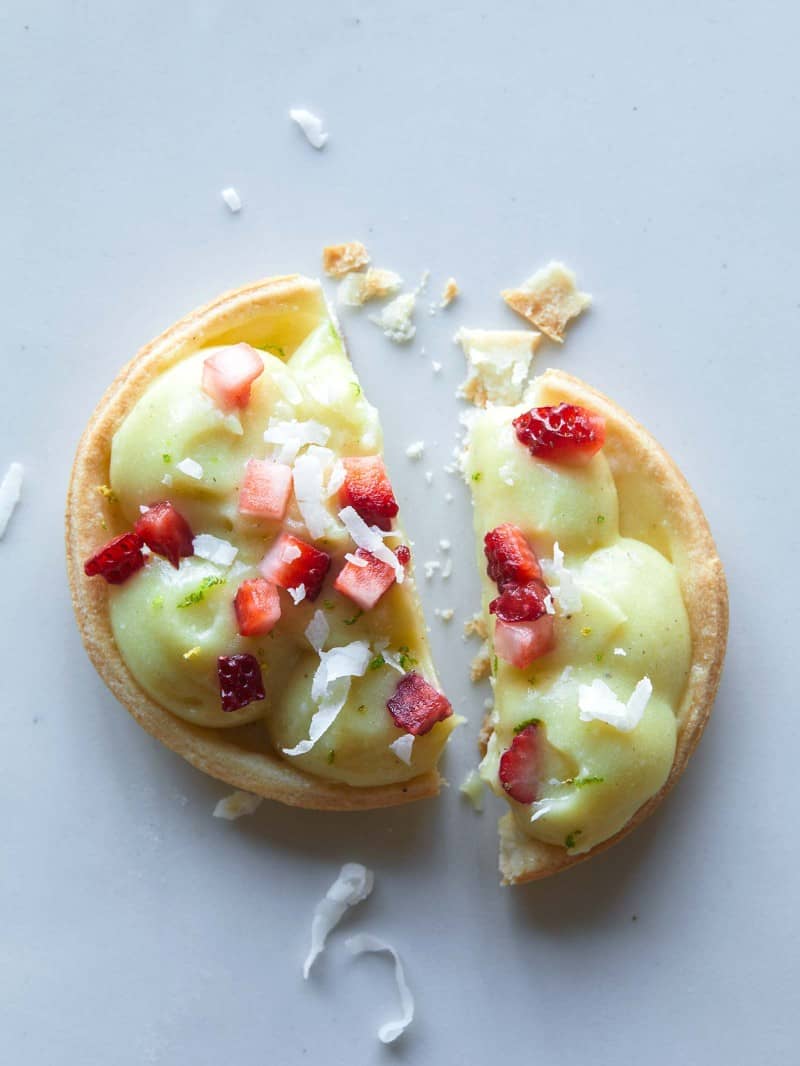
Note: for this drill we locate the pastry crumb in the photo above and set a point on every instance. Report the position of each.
(476, 626)
(236, 805)
(397, 318)
(549, 299)
(449, 293)
(108, 492)
(481, 666)
(499, 362)
(445, 613)
(341, 259)
(416, 450)
(360, 287)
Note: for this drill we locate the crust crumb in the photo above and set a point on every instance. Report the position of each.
(341, 259)
(481, 666)
(476, 626)
(359, 288)
(449, 293)
(549, 300)
(499, 362)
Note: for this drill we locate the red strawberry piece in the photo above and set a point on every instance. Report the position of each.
(368, 491)
(291, 562)
(520, 765)
(257, 607)
(416, 706)
(564, 434)
(511, 559)
(166, 532)
(521, 603)
(240, 681)
(117, 560)
(520, 643)
(403, 554)
(364, 585)
(265, 489)
(229, 373)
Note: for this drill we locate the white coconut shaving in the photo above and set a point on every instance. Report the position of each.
(336, 479)
(298, 594)
(10, 493)
(402, 747)
(472, 788)
(391, 658)
(416, 450)
(232, 199)
(237, 805)
(318, 631)
(506, 474)
(365, 942)
(352, 886)
(308, 475)
(291, 437)
(436, 367)
(620, 651)
(289, 388)
(233, 424)
(190, 468)
(356, 560)
(548, 604)
(370, 538)
(311, 125)
(214, 549)
(430, 566)
(167, 480)
(331, 687)
(598, 703)
(396, 318)
(563, 585)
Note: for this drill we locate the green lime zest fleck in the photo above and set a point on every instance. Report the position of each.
(157, 602)
(407, 660)
(494, 665)
(354, 619)
(477, 475)
(361, 708)
(570, 840)
(600, 519)
(331, 756)
(275, 349)
(328, 605)
(377, 662)
(166, 457)
(581, 782)
(526, 723)
(333, 333)
(599, 657)
(198, 595)
(357, 388)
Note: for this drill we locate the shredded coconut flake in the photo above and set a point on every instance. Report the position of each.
(330, 688)
(190, 468)
(598, 703)
(232, 199)
(563, 585)
(291, 437)
(308, 479)
(356, 560)
(336, 479)
(237, 805)
(317, 631)
(298, 594)
(11, 490)
(352, 886)
(430, 566)
(233, 425)
(436, 367)
(402, 747)
(429, 477)
(445, 545)
(620, 651)
(445, 613)
(370, 539)
(447, 569)
(167, 480)
(214, 549)
(311, 125)
(416, 450)
(365, 942)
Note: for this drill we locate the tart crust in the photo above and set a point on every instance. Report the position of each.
(231, 755)
(687, 541)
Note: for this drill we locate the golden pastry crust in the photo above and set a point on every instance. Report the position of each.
(549, 300)
(688, 542)
(238, 756)
(341, 259)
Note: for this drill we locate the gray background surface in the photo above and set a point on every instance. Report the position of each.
(654, 147)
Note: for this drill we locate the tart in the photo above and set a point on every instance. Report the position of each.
(606, 610)
(238, 572)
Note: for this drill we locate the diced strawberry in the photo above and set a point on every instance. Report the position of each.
(403, 553)
(364, 585)
(257, 607)
(240, 681)
(511, 559)
(166, 532)
(368, 491)
(117, 560)
(229, 373)
(265, 489)
(520, 643)
(520, 765)
(291, 562)
(521, 603)
(563, 434)
(416, 706)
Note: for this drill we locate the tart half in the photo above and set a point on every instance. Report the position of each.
(238, 572)
(606, 607)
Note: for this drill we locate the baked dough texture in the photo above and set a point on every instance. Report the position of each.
(285, 307)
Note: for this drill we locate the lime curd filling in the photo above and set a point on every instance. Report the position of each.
(171, 625)
(631, 623)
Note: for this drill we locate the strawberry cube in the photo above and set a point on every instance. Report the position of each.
(520, 765)
(257, 607)
(511, 560)
(117, 560)
(166, 532)
(565, 433)
(416, 706)
(367, 489)
(520, 643)
(291, 562)
(364, 584)
(265, 489)
(229, 373)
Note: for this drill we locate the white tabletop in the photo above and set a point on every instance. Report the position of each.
(652, 147)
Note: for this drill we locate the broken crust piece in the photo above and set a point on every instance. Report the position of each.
(449, 293)
(662, 510)
(481, 666)
(374, 284)
(243, 755)
(341, 259)
(548, 300)
(499, 361)
(476, 627)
